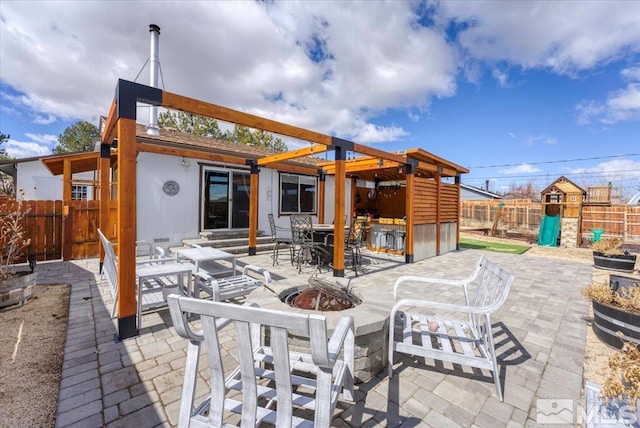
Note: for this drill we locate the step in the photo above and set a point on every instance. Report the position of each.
(224, 243)
(239, 249)
(217, 235)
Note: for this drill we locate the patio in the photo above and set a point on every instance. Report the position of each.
(540, 339)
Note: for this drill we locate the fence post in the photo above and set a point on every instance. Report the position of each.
(624, 225)
(67, 234)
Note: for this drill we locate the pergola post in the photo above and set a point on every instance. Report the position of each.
(354, 189)
(436, 177)
(321, 198)
(104, 166)
(457, 181)
(409, 210)
(253, 208)
(340, 149)
(126, 230)
(67, 240)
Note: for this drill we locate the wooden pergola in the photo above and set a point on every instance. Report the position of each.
(121, 127)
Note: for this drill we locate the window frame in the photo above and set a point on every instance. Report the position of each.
(281, 192)
(81, 190)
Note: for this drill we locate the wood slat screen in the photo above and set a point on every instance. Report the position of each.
(425, 203)
(449, 203)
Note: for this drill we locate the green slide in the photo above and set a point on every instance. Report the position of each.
(549, 230)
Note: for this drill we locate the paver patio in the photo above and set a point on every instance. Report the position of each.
(540, 337)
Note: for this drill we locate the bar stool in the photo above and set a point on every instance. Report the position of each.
(401, 235)
(388, 234)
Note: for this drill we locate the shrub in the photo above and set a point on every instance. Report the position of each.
(12, 241)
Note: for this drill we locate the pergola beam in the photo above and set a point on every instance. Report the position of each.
(307, 151)
(377, 153)
(109, 131)
(191, 105)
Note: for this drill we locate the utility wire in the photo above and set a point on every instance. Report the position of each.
(555, 161)
(507, 177)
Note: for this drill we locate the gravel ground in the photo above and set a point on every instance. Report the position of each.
(32, 339)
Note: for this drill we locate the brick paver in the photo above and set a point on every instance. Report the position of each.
(540, 334)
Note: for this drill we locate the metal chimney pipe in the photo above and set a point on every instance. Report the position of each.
(154, 64)
(486, 185)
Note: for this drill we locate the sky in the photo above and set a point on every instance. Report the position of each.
(515, 91)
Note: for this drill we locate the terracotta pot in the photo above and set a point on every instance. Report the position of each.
(608, 320)
(618, 262)
(17, 289)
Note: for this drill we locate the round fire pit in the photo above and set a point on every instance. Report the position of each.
(368, 306)
(323, 295)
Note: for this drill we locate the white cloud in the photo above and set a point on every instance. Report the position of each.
(520, 169)
(318, 64)
(532, 140)
(39, 145)
(501, 76)
(44, 119)
(333, 67)
(631, 73)
(616, 170)
(621, 105)
(564, 37)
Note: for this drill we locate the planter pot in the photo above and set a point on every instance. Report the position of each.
(619, 282)
(607, 320)
(618, 262)
(610, 414)
(17, 289)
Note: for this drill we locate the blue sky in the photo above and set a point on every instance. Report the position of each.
(531, 86)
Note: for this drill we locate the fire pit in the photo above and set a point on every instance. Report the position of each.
(323, 295)
(369, 307)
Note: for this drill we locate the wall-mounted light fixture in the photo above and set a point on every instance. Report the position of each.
(185, 163)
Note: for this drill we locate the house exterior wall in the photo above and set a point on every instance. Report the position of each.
(167, 220)
(39, 184)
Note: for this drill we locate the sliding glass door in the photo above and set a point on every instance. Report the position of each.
(226, 199)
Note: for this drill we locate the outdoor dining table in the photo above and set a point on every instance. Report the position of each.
(158, 273)
(207, 259)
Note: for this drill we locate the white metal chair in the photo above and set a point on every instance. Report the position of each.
(271, 383)
(153, 276)
(428, 331)
(231, 286)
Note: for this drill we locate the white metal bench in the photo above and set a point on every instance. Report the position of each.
(232, 286)
(154, 276)
(433, 330)
(262, 383)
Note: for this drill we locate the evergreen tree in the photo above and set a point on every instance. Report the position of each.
(77, 138)
(3, 153)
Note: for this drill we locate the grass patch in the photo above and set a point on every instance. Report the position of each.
(493, 246)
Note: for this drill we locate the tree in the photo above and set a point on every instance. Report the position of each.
(206, 127)
(190, 124)
(257, 138)
(3, 153)
(528, 190)
(77, 138)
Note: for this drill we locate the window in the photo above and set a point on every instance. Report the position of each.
(79, 193)
(297, 194)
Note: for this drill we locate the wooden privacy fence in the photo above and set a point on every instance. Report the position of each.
(59, 232)
(515, 214)
(42, 225)
(619, 221)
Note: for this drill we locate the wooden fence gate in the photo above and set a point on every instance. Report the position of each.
(56, 232)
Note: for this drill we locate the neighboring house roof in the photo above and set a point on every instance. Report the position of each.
(564, 185)
(635, 199)
(484, 194)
